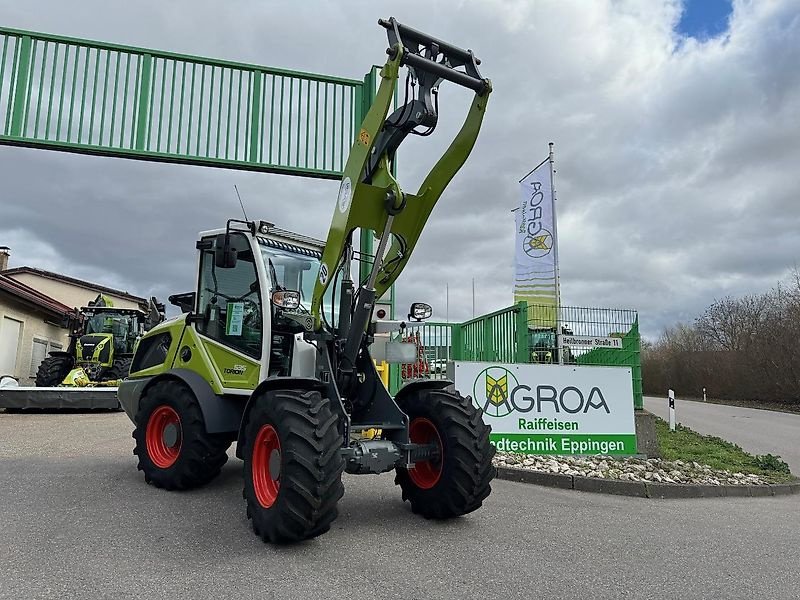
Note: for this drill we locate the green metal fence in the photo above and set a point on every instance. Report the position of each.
(525, 333)
(545, 346)
(92, 97)
(495, 337)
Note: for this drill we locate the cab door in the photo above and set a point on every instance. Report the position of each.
(231, 331)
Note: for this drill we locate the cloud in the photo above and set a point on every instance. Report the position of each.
(676, 158)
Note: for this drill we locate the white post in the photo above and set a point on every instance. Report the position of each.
(473, 297)
(447, 302)
(671, 410)
(704, 394)
(559, 343)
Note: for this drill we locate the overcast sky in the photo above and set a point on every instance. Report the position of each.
(677, 148)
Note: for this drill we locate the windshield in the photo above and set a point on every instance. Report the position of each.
(542, 339)
(111, 323)
(295, 271)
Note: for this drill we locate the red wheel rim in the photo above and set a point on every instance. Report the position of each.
(163, 436)
(426, 473)
(266, 466)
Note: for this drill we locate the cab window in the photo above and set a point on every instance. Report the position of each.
(230, 300)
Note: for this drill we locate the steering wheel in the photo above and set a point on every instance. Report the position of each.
(252, 317)
(232, 298)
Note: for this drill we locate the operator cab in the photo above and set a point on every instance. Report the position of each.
(241, 271)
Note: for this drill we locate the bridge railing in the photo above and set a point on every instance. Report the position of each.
(108, 99)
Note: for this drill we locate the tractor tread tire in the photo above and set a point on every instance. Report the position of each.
(467, 471)
(201, 454)
(53, 370)
(311, 465)
(119, 369)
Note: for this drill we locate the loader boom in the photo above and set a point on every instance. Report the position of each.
(370, 198)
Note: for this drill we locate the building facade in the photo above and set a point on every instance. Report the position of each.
(34, 305)
(31, 325)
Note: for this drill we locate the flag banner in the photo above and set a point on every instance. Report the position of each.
(535, 254)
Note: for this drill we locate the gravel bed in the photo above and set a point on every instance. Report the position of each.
(629, 469)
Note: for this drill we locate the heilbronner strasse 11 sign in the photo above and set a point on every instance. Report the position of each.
(553, 409)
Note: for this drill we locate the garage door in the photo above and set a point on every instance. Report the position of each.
(10, 330)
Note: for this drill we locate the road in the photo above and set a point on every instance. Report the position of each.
(78, 521)
(757, 431)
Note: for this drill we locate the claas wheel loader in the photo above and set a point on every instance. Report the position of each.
(272, 350)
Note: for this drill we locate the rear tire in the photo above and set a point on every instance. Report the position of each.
(119, 369)
(292, 465)
(459, 481)
(175, 451)
(53, 370)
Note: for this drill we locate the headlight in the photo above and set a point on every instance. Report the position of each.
(286, 299)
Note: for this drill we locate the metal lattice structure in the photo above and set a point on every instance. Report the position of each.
(91, 97)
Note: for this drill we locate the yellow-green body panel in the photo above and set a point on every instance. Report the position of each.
(220, 366)
(232, 368)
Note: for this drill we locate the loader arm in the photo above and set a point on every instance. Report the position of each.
(369, 197)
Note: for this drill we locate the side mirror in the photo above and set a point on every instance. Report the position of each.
(286, 299)
(224, 255)
(420, 311)
(183, 301)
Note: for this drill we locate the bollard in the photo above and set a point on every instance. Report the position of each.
(671, 395)
(704, 394)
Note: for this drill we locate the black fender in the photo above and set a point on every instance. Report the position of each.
(422, 384)
(273, 383)
(222, 414)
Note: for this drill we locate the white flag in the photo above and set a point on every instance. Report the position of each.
(536, 269)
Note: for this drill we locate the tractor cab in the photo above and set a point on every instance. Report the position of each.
(122, 326)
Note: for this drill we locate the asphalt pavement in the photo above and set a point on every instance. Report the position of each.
(756, 431)
(78, 521)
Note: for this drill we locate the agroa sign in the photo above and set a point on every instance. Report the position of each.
(553, 409)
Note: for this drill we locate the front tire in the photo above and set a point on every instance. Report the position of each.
(119, 369)
(292, 465)
(53, 370)
(458, 481)
(175, 451)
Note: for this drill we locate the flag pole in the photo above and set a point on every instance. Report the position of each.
(559, 342)
(555, 225)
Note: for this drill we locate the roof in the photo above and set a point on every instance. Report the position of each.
(74, 281)
(30, 296)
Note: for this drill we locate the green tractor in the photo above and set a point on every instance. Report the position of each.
(273, 349)
(543, 346)
(102, 342)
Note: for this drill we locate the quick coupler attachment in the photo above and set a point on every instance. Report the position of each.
(427, 54)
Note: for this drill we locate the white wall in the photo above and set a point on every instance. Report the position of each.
(36, 334)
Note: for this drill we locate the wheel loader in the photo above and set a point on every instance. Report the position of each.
(273, 348)
(101, 346)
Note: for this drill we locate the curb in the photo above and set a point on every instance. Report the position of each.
(645, 489)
